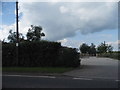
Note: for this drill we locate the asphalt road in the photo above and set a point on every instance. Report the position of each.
(55, 82)
(92, 67)
(95, 73)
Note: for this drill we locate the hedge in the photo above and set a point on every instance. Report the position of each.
(68, 57)
(39, 54)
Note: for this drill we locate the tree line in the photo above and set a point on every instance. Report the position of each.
(93, 50)
(35, 33)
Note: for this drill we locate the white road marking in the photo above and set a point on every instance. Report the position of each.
(30, 76)
(83, 78)
(97, 77)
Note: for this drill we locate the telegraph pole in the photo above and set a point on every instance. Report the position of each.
(17, 33)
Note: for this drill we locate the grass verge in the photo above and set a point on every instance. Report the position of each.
(115, 56)
(37, 69)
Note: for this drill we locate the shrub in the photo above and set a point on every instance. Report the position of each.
(68, 57)
(40, 54)
(8, 55)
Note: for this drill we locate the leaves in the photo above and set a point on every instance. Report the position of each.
(34, 33)
(84, 48)
(13, 37)
(103, 48)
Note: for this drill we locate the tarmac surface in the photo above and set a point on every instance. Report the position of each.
(27, 81)
(93, 67)
(94, 73)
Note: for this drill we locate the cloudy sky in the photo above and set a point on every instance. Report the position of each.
(70, 23)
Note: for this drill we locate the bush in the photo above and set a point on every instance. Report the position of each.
(8, 55)
(68, 57)
(39, 54)
(32, 54)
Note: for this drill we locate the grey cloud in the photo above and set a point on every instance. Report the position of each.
(83, 17)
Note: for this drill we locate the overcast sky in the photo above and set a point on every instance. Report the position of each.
(70, 23)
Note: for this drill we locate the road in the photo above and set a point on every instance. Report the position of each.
(56, 82)
(95, 73)
(93, 67)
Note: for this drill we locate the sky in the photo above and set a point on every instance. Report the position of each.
(71, 23)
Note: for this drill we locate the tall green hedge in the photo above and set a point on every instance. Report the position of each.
(68, 57)
(39, 54)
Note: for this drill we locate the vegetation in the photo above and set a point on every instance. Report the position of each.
(13, 37)
(85, 49)
(40, 54)
(103, 50)
(37, 69)
(68, 57)
(35, 52)
(34, 33)
(113, 54)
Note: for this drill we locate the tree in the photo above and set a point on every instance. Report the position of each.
(110, 49)
(3, 41)
(92, 49)
(13, 37)
(84, 48)
(34, 33)
(104, 48)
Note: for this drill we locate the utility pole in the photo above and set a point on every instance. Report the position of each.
(17, 33)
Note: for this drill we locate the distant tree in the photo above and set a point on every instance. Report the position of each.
(13, 37)
(109, 48)
(92, 49)
(34, 33)
(104, 48)
(84, 48)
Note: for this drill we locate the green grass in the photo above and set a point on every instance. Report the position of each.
(37, 69)
(111, 55)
